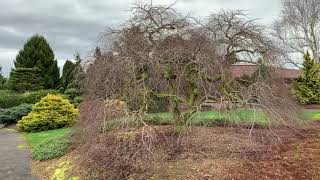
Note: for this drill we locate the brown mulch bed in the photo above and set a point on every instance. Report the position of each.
(295, 158)
(233, 153)
(311, 106)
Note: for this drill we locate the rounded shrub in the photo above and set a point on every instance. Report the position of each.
(10, 99)
(35, 96)
(72, 93)
(78, 100)
(51, 112)
(14, 114)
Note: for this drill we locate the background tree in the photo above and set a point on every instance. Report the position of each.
(307, 86)
(298, 29)
(25, 79)
(38, 53)
(78, 73)
(67, 73)
(72, 78)
(240, 38)
(3, 80)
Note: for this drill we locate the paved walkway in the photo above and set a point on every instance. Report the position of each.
(15, 163)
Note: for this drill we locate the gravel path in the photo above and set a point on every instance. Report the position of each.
(15, 162)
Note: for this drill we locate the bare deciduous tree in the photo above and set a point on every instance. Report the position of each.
(160, 55)
(298, 29)
(240, 38)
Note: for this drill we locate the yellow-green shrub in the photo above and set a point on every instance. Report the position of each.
(51, 112)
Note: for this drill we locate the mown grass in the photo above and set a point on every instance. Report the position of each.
(245, 117)
(208, 118)
(211, 118)
(50, 144)
(311, 114)
(35, 138)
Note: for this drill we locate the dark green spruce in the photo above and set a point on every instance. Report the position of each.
(37, 53)
(68, 73)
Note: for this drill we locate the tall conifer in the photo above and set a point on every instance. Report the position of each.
(37, 53)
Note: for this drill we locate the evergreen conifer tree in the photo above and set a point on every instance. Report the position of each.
(78, 73)
(67, 73)
(3, 80)
(25, 79)
(38, 53)
(307, 86)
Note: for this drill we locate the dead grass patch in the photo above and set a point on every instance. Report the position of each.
(66, 167)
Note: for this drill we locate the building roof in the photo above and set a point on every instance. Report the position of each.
(240, 70)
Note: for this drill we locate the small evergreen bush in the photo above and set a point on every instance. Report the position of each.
(74, 96)
(35, 96)
(77, 100)
(51, 112)
(14, 114)
(307, 86)
(51, 148)
(71, 93)
(10, 99)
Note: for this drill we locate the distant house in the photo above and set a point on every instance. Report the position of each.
(288, 74)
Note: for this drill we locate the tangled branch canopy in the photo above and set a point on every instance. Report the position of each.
(161, 60)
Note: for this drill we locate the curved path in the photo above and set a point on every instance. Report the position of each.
(15, 162)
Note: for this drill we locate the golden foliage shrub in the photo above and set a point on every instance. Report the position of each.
(51, 112)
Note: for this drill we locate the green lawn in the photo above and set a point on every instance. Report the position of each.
(35, 138)
(50, 144)
(245, 117)
(310, 114)
(209, 118)
(240, 116)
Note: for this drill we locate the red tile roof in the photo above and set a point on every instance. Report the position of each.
(240, 70)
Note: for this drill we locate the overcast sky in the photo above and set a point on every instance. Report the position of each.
(74, 25)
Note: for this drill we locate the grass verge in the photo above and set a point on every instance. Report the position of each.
(311, 114)
(211, 118)
(208, 118)
(50, 144)
(244, 117)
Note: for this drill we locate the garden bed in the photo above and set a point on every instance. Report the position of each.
(221, 153)
(205, 152)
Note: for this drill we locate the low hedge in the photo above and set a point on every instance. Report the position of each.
(9, 99)
(14, 114)
(35, 96)
(51, 112)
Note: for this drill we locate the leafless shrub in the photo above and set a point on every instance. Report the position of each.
(162, 56)
(119, 152)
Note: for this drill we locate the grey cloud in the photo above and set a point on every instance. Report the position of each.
(74, 25)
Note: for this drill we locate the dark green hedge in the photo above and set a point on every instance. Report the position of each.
(10, 99)
(14, 114)
(26, 79)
